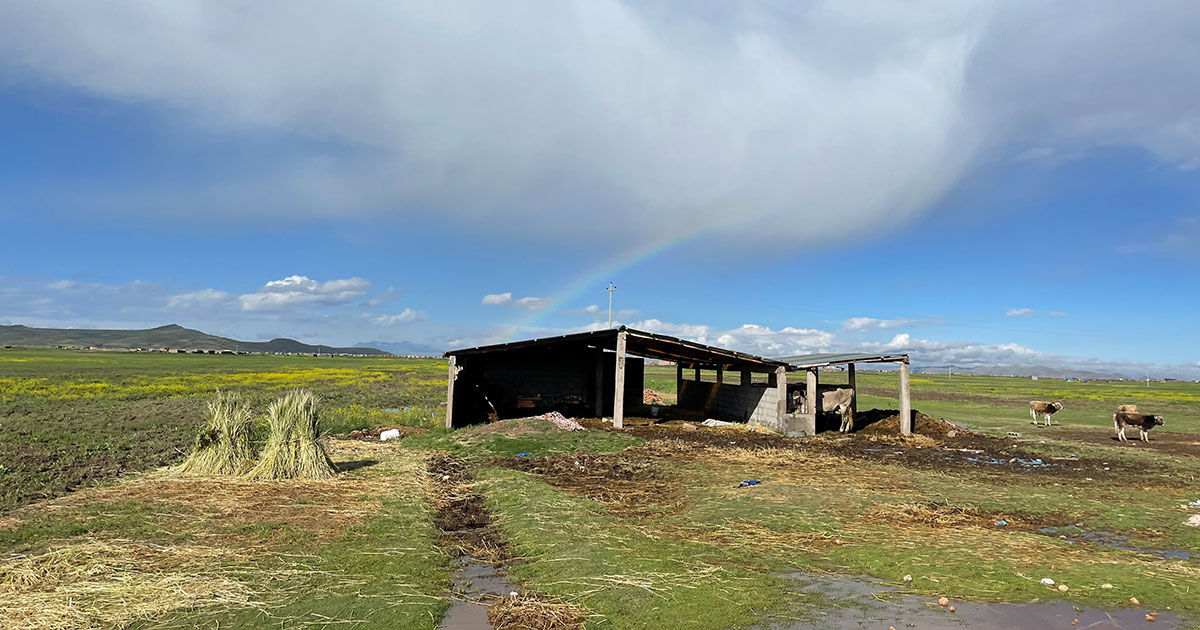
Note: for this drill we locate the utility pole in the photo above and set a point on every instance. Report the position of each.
(950, 371)
(611, 287)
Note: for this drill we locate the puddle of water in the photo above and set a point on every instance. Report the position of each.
(474, 584)
(869, 604)
(1115, 541)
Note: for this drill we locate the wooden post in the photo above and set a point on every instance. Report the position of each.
(619, 384)
(450, 392)
(679, 385)
(905, 401)
(720, 374)
(810, 395)
(697, 372)
(746, 378)
(781, 404)
(854, 399)
(599, 382)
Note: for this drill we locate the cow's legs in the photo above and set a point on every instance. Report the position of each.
(1033, 414)
(1145, 436)
(1121, 434)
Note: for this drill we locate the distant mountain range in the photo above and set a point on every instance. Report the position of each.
(1040, 371)
(169, 336)
(403, 348)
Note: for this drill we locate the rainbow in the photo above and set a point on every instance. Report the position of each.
(597, 278)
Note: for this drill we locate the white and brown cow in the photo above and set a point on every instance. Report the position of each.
(1143, 421)
(838, 400)
(1043, 409)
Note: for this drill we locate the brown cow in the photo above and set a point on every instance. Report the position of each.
(1043, 409)
(1143, 421)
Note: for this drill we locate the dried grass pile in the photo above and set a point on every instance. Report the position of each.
(223, 442)
(523, 612)
(294, 449)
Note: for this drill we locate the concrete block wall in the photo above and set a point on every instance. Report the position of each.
(755, 403)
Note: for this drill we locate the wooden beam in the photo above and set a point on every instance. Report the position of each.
(905, 402)
(619, 383)
(450, 392)
(854, 400)
(810, 394)
(720, 375)
(746, 378)
(697, 372)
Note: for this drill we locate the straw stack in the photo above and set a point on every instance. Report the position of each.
(223, 442)
(293, 449)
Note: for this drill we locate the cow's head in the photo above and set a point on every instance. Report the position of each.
(1158, 421)
(1057, 406)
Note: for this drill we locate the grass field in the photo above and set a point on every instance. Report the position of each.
(645, 528)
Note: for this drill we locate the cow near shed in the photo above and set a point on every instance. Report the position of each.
(1143, 421)
(839, 400)
(1043, 409)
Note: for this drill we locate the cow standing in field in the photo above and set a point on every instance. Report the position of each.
(1143, 421)
(1043, 409)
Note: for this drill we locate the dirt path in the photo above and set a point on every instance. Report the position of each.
(1186, 444)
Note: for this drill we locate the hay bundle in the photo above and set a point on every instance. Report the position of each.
(223, 442)
(294, 449)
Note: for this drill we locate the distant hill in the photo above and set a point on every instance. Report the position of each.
(403, 348)
(1039, 371)
(169, 336)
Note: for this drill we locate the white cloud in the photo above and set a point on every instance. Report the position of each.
(1019, 312)
(62, 285)
(871, 323)
(301, 290)
(533, 303)
(406, 316)
(527, 303)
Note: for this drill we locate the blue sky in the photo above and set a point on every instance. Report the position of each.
(976, 184)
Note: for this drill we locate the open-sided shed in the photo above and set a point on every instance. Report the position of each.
(811, 363)
(602, 372)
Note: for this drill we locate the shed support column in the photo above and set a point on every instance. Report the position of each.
(854, 399)
(781, 404)
(619, 384)
(678, 385)
(450, 392)
(599, 382)
(810, 392)
(720, 375)
(697, 372)
(905, 402)
(746, 378)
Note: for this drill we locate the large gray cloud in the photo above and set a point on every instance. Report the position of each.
(820, 119)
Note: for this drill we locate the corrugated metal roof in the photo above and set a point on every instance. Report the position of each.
(640, 343)
(840, 358)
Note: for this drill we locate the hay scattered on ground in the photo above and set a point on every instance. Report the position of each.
(223, 442)
(105, 583)
(525, 612)
(294, 449)
(930, 514)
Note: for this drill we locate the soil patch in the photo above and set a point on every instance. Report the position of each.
(626, 483)
(887, 422)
